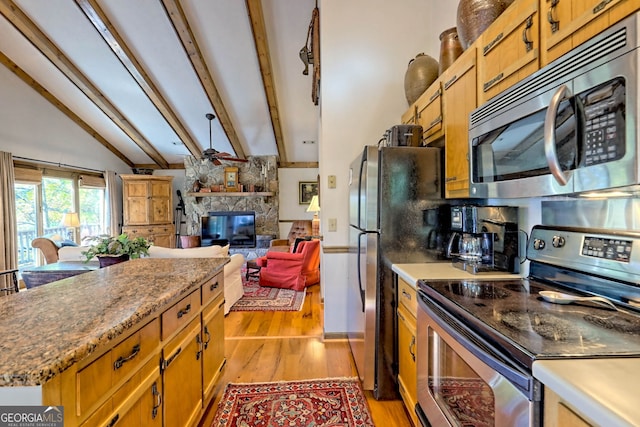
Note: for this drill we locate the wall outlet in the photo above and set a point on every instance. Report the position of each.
(332, 181)
(333, 224)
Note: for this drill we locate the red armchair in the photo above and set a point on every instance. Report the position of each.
(291, 270)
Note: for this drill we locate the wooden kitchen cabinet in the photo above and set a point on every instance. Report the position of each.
(567, 23)
(194, 358)
(557, 413)
(148, 208)
(182, 375)
(213, 345)
(427, 112)
(459, 98)
(508, 50)
(407, 371)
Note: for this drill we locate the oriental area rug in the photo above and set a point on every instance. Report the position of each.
(259, 298)
(319, 403)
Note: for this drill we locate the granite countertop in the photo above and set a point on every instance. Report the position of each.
(411, 273)
(47, 329)
(602, 390)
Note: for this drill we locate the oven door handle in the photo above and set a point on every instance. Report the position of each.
(478, 347)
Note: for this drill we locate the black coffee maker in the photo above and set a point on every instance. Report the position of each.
(484, 238)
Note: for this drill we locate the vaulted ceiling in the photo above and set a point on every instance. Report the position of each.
(140, 75)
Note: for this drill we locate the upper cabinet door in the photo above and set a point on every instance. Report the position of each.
(508, 50)
(567, 23)
(459, 99)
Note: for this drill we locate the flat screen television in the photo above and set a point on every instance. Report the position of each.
(237, 228)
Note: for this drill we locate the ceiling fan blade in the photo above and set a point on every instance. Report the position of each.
(216, 162)
(233, 159)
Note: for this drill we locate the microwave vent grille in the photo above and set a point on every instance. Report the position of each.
(587, 55)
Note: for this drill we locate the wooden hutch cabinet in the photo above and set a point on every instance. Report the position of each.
(148, 208)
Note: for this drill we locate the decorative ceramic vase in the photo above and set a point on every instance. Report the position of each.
(107, 260)
(474, 16)
(450, 48)
(421, 72)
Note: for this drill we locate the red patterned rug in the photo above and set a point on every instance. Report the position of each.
(470, 399)
(319, 403)
(259, 298)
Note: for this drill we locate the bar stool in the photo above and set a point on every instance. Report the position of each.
(10, 289)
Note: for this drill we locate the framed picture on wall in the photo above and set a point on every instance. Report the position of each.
(306, 190)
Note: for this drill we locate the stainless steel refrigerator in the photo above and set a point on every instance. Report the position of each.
(396, 215)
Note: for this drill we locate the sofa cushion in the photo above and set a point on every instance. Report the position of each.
(199, 252)
(73, 253)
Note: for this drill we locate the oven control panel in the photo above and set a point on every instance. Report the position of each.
(607, 248)
(606, 252)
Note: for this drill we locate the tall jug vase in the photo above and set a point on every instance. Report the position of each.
(450, 49)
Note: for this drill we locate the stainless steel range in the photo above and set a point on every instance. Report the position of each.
(478, 339)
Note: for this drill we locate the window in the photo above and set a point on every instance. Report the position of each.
(27, 219)
(41, 203)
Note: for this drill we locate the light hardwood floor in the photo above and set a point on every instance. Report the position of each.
(283, 346)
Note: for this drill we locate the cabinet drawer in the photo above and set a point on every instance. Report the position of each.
(127, 356)
(93, 382)
(180, 314)
(212, 289)
(407, 297)
(96, 379)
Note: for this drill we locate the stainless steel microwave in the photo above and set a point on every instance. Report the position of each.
(571, 127)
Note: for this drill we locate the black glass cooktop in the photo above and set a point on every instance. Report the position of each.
(513, 316)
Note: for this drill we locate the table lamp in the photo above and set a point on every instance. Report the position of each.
(314, 207)
(71, 221)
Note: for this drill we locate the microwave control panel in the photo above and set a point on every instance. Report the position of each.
(604, 110)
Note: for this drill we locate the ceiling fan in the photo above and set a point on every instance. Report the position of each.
(213, 155)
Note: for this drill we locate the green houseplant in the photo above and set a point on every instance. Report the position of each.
(110, 250)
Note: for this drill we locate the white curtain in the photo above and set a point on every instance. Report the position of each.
(113, 205)
(8, 224)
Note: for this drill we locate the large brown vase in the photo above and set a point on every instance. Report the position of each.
(421, 72)
(450, 48)
(474, 16)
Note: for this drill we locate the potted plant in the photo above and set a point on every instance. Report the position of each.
(111, 250)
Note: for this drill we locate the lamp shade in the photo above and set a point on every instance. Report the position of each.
(70, 219)
(314, 205)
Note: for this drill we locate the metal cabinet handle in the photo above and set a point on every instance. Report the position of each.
(213, 286)
(406, 294)
(200, 350)
(114, 420)
(412, 347)
(555, 24)
(165, 363)
(158, 400)
(208, 335)
(122, 360)
(528, 43)
(184, 311)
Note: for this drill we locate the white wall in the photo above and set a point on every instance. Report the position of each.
(365, 47)
(289, 208)
(40, 131)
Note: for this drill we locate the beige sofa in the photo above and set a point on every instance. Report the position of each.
(233, 289)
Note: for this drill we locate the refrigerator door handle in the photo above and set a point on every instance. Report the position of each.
(362, 292)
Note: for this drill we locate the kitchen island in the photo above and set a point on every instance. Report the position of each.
(97, 342)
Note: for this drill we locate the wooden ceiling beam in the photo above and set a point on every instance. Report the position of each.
(15, 69)
(183, 30)
(38, 39)
(120, 48)
(259, 31)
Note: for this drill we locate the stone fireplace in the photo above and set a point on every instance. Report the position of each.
(259, 171)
